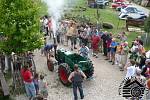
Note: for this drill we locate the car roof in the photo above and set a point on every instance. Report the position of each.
(131, 6)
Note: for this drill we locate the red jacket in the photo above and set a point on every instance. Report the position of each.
(95, 41)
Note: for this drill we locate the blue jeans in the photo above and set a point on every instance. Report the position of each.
(75, 87)
(30, 89)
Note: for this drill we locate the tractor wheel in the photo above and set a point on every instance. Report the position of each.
(50, 65)
(89, 73)
(64, 72)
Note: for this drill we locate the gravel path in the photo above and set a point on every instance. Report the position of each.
(104, 85)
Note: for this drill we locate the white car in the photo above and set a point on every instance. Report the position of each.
(132, 12)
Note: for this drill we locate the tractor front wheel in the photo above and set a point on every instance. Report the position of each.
(64, 72)
(50, 65)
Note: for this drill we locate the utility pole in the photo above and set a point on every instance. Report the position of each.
(98, 17)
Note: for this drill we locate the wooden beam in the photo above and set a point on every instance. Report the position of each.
(4, 85)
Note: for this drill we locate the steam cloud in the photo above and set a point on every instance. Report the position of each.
(56, 10)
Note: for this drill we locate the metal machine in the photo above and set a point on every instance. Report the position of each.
(66, 61)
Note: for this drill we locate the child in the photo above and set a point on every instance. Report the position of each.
(131, 69)
(36, 83)
(43, 87)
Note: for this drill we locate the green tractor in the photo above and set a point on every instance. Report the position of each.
(66, 61)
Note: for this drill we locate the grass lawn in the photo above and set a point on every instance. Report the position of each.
(106, 15)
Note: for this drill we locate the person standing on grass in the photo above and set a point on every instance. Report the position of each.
(76, 78)
(28, 81)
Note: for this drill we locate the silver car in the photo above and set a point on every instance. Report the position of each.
(132, 12)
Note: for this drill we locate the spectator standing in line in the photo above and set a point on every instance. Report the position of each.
(131, 69)
(113, 46)
(139, 40)
(142, 60)
(118, 54)
(109, 40)
(43, 87)
(146, 69)
(123, 37)
(124, 55)
(146, 62)
(134, 51)
(139, 77)
(95, 44)
(76, 78)
(104, 38)
(28, 81)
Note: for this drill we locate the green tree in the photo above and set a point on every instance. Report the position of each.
(20, 23)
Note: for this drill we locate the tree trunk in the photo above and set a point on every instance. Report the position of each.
(6, 63)
(0, 63)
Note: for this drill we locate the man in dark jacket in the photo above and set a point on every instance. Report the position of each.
(76, 77)
(146, 69)
(105, 38)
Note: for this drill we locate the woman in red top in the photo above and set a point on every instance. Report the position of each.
(28, 81)
(95, 44)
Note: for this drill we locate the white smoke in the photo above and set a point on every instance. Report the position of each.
(56, 10)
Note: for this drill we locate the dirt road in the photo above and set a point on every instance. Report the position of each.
(104, 85)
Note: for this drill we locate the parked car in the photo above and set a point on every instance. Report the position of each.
(98, 3)
(102, 3)
(117, 5)
(124, 5)
(132, 12)
(118, 0)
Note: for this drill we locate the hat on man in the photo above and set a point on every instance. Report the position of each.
(147, 60)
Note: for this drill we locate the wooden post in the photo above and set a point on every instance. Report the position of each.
(4, 85)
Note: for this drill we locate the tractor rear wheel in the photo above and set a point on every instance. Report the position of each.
(50, 65)
(64, 72)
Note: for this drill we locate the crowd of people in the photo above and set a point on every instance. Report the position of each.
(90, 42)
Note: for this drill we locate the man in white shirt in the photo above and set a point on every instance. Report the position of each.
(131, 69)
(45, 24)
